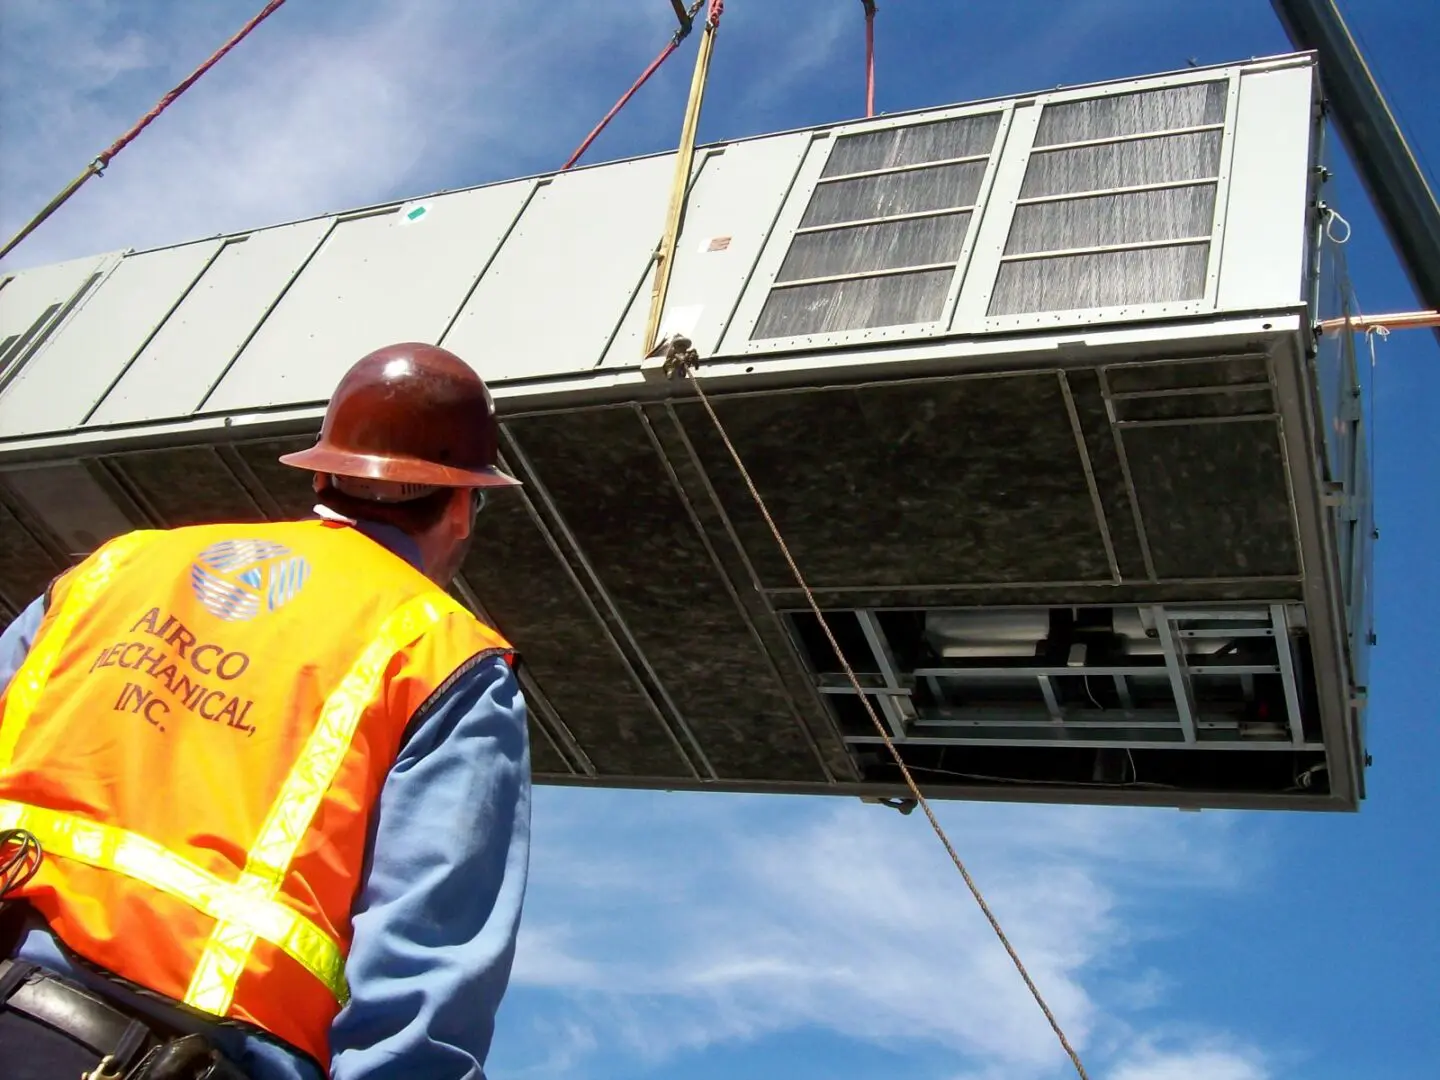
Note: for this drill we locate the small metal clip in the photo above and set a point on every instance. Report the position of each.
(104, 1071)
(679, 355)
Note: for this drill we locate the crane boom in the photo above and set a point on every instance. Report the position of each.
(1392, 178)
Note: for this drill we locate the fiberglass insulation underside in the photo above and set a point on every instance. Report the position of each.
(641, 586)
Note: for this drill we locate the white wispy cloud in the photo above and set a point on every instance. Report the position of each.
(1207, 1059)
(671, 923)
(326, 107)
(318, 110)
(819, 39)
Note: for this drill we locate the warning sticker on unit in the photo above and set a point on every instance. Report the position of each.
(412, 212)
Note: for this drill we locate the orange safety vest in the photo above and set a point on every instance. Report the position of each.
(197, 738)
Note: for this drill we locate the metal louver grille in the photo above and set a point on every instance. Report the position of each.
(884, 230)
(1118, 203)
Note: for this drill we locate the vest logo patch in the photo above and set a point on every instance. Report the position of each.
(236, 580)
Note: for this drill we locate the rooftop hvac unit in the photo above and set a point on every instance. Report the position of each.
(1030, 385)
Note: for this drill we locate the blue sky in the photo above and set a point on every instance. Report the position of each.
(691, 936)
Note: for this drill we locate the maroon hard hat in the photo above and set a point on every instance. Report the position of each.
(409, 414)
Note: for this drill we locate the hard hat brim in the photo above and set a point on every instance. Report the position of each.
(323, 459)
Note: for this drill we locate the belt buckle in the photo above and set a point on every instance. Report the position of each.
(103, 1071)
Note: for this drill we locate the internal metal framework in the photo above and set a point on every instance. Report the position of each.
(1136, 677)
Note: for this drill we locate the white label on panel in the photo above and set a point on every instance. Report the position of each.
(681, 320)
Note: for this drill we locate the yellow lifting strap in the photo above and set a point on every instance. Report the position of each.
(684, 161)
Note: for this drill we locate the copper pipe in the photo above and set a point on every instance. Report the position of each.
(1405, 320)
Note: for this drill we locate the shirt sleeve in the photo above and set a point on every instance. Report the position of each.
(436, 917)
(15, 642)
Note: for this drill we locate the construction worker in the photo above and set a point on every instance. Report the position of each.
(278, 779)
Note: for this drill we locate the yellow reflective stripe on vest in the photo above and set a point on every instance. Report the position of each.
(213, 984)
(29, 682)
(140, 859)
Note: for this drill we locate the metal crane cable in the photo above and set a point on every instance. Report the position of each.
(96, 167)
(681, 356)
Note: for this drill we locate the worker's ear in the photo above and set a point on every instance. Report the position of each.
(460, 514)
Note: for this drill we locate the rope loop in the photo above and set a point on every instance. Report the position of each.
(1331, 216)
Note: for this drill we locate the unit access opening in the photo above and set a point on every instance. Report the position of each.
(1015, 689)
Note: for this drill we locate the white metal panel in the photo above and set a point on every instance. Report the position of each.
(61, 384)
(1263, 260)
(731, 209)
(29, 292)
(200, 338)
(397, 274)
(33, 299)
(71, 504)
(757, 289)
(561, 283)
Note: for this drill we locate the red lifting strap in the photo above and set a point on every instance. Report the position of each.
(103, 158)
(869, 57)
(644, 77)
(164, 103)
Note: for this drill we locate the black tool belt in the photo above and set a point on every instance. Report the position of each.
(126, 1047)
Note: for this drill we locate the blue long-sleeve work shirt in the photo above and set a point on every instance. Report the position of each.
(438, 908)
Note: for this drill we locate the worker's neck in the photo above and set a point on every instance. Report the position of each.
(391, 537)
